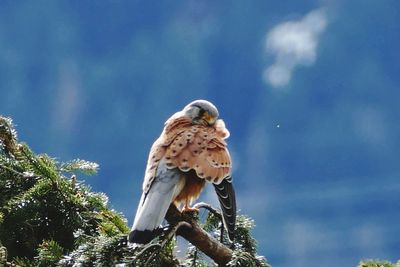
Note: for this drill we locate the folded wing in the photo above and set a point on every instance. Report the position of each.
(154, 204)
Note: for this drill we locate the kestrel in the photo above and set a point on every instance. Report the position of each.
(190, 151)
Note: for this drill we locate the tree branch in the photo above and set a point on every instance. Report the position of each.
(198, 237)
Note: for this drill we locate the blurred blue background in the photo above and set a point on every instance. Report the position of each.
(308, 89)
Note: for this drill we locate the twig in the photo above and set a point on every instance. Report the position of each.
(174, 230)
(16, 172)
(145, 249)
(213, 211)
(208, 207)
(10, 264)
(194, 257)
(168, 238)
(199, 238)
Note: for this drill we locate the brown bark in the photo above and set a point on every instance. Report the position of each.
(199, 238)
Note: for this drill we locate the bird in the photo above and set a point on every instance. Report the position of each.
(190, 151)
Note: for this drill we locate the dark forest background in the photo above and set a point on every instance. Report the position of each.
(316, 161)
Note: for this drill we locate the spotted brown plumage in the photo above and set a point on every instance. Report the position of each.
(190, 151)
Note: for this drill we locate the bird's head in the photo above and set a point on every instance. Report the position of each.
(201, 112)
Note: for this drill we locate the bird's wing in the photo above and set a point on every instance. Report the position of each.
(160, 185)
(186, 146)
(204, 150)
(154, 203)
(200, 148)
(172, 129)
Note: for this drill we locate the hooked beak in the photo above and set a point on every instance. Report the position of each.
(210, 120)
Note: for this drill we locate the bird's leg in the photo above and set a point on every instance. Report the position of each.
(187, 208)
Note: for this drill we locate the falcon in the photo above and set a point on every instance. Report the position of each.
(190, 151)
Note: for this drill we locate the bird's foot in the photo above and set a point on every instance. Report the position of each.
(189, 209)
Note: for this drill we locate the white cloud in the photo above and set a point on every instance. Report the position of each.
(293, 43)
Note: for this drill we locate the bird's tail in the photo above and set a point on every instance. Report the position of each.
(142, 237)
(227, 200)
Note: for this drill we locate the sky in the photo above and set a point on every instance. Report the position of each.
(308, 90)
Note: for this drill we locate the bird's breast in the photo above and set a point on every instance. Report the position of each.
(191, 189)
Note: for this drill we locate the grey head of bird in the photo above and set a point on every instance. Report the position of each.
(201, 112)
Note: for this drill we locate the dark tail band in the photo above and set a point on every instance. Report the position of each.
(142, 237)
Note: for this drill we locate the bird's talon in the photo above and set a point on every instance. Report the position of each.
(190, 210)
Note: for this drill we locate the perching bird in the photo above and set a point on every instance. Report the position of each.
(190, 151)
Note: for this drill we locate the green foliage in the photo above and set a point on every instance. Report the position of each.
(49, 253)
(243, 258)
(109, 251)
(8, 136)
(245, 252)
(378, 263)
(243, 238)
(41, 209)
(194, 258)
(3, 255)
(83, 166)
